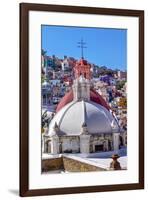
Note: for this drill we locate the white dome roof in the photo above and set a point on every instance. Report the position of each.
(71, 117)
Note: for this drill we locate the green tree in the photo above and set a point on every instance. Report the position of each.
(120, 84)
(43, 52)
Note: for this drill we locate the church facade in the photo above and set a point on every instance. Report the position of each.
(83, 124)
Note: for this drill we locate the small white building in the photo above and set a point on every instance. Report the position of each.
(65, 64)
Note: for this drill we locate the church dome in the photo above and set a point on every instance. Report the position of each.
(76, 113)
(94, 96)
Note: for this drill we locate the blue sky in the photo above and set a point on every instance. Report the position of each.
(107, 47)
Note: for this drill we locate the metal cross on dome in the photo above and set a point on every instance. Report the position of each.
(81, 45)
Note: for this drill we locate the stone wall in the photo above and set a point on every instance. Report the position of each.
(67, 164)
(72, 165)
(52, 164)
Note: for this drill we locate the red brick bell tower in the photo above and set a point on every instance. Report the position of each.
(82, 67)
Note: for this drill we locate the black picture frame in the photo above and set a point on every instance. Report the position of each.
(24, 98)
